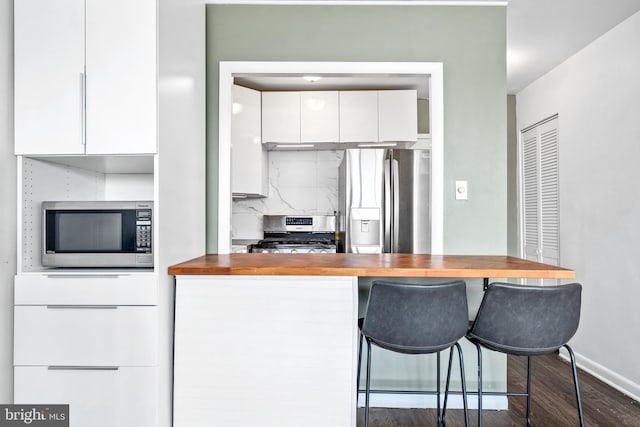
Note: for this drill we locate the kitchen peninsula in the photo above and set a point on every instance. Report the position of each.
(271, 339)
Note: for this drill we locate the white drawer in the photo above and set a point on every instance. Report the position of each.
(97, 397)
(87, 288)
(85, 335)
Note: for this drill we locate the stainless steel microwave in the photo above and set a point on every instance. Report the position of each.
(97, 234)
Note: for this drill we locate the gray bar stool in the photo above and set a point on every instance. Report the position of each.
(417, 319)
(527, 321)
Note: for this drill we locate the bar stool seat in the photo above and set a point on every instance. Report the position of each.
(417, 319)
(527, 321)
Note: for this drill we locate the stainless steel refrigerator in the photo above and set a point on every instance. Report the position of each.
(385, 201)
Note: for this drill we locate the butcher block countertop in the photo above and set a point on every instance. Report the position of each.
(398, 265)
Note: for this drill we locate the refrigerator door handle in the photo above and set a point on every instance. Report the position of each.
(387, 208)
(396, 206)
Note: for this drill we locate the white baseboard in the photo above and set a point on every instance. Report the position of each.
(397, 400)
(605, 375)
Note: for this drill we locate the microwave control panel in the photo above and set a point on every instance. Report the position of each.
(143, 230)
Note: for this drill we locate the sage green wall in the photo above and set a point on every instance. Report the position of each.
(469, 41)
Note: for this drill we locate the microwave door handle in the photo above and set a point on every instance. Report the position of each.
(396, 206)
(387, 208)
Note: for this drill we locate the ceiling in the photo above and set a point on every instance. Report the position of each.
(541, 34)
(333, 82)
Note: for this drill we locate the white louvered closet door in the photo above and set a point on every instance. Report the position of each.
(540, 192)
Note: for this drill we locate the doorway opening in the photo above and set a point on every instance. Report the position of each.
(353, 73)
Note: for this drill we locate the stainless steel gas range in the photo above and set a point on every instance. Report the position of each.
(290, 234)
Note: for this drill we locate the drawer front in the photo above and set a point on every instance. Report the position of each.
(60, 288)
(85, 335)
(97, 397)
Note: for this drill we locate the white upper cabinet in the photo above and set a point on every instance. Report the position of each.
(367, 116)
(319, 117)
(359, 116)
(397, 115)
(281, 117)
(121, 76)
(49, 73)
(85, 85)
(249, 160)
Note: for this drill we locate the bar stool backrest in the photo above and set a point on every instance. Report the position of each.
(527, 320)
(416, 318)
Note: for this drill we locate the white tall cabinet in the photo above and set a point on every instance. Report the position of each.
(109, 105)
(249, 160)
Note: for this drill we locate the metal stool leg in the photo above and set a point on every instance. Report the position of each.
(359, 367)
(479, 385)
(446, 389)
(438, 415)
(575, 383)
(529, 391)
(464, 386)
(463, 382)
(368, 385)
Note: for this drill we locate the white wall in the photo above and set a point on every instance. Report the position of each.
(180, 169)
(595, 94)
(7, 202)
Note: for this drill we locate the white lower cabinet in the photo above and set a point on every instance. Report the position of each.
(97, 396)
(82, 340)
(112, 288)
(85, 335)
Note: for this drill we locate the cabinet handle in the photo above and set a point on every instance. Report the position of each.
(83, 368)
(83, 106)
(91, 307)
(85, 276)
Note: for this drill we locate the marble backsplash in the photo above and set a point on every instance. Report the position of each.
(300, 183)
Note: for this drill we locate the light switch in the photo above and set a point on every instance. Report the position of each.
(462, 192)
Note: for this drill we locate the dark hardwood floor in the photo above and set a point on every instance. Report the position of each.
(552, 403)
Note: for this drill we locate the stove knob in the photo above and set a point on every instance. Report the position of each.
(276, 251)
(264, 251)
(324, 251)
(312, 251)
(293, 251)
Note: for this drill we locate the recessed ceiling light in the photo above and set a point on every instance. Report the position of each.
(312, 79)
(236, 108)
